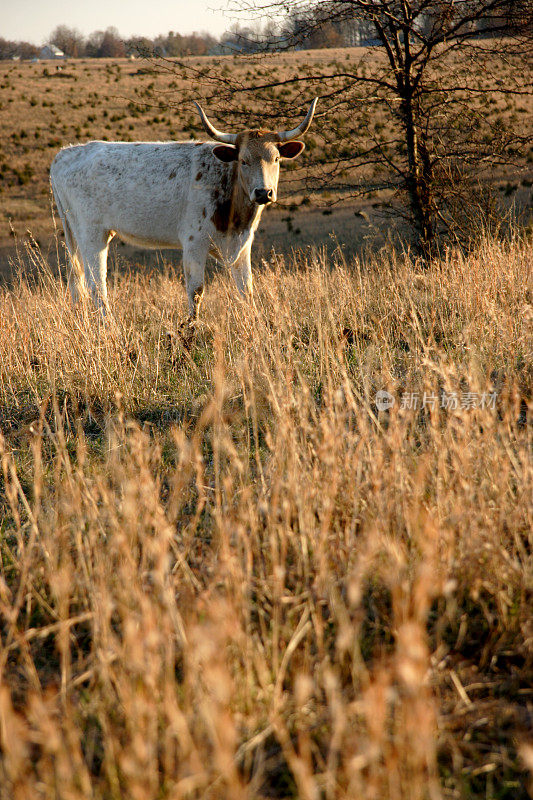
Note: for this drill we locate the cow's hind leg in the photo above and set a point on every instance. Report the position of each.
(76, 283)
(93, 248)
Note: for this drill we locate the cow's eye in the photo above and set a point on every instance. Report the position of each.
(245, 163)
(277, 158)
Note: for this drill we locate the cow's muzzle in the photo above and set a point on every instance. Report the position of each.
(263, 196)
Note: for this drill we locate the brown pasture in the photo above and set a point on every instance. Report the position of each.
(45, 106)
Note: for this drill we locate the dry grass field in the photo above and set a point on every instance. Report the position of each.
(226, 569)
(45, 106)
(226, 573)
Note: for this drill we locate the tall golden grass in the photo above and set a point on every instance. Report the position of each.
(225, 573)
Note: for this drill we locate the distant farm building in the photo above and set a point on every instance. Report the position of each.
(50, 51)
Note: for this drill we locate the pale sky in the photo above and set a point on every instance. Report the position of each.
(33, 20)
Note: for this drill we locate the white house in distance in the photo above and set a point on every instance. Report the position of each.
(50, 51)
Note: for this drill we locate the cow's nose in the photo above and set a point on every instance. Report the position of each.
(263, 196)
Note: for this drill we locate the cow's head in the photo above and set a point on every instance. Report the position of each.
(258, 154)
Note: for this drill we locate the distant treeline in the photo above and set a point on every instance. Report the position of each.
(300, 30)
(293, 33)
(110, 44)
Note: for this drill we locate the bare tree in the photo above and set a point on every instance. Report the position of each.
(411, 115)
(93, 45)
(23, 50)
(441, 133)
(105, 44)
(69, 40)
(112, 44)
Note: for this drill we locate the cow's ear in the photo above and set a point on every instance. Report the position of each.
(290, 149)
(226, 152)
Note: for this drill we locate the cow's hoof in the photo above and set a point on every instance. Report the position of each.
(182, 340)
(187, 332)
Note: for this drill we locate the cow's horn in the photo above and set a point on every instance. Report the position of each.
(218, 136)
(287, 136)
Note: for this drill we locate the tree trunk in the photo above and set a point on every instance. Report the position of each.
(418, 179)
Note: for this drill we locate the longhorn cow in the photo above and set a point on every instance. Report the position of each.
(206, 197)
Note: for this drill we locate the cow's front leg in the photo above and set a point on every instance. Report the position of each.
(194, 258)
(242, 273)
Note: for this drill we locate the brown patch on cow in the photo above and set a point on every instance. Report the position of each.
(232, 209)
(203, 212)
(172, 175)
(229, 216)
(221, 216)
(191, 238)
(199, 175)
